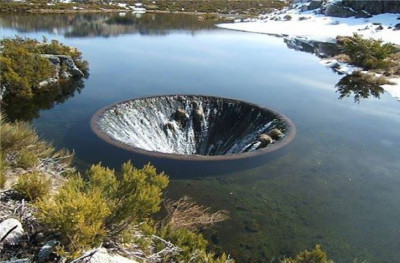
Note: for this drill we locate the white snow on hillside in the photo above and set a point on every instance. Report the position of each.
(322, 28)
(312, 25)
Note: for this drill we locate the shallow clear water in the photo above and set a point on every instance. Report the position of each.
(338, 182)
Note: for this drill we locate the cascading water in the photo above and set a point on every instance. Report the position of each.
(191, 125)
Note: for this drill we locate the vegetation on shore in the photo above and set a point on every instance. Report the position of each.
(370, 54)
(246, 7)
(115, 209)
(378, 62)
(23, 66)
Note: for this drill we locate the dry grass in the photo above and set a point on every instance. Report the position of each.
(185, 213)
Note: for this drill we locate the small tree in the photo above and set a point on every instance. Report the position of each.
(367, 53)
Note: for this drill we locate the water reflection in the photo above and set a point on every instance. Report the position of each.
(17, 109)
(320, 49)
(359, 86)
(104, 25)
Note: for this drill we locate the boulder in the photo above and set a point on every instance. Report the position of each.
(361, 8)
(101, 255)
(71, 67)
(169, 126)
(180, 116)
(45, 251)
(338, 10)
(13, 225)
(22, 260)
(314, 4)
(198, 114)
(264, 140)
(275, 134)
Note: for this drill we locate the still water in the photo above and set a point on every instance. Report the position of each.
(337, 184)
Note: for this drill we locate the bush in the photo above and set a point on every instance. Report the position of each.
(188, 241)
(20, 147)
(132, 196)
(20, 140)
(77, 216)
(367, 53)
(315, 256)
(21, 69)
(22, 66)
(33, 186)
(85, 213)
(26, 159)
(3, 167)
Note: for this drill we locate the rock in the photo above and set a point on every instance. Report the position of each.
(180, 113)
(45, 251)
(397, 27)
(69, 69)
(72, 68)
(168, 126)
(22, 260)
(40, 237)
(251, 226)
(47, 82)
(314, 4)
(264, 140)
(338, 10)
(275, 134)
(15, 235)
(54, 59)
(361, 8)
(101, 255)
(180, 116)
(287, 17)
(198, 114)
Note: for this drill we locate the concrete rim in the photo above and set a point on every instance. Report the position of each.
(289, 134)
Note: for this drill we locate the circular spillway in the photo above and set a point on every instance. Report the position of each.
(193, 127)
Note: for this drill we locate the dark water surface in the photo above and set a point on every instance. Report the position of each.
(337, 184)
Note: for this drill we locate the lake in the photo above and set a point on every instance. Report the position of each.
(337, 184)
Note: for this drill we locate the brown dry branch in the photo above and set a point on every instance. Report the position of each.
(185, 213)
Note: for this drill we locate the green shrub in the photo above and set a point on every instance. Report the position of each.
(20, 141)
(22, 66)
(26, 159)
(84, 213)
(33, 186)
(188, 241)
(315, 256)
(3, 167)
(367, 53)
(132, 196)
(77, 216)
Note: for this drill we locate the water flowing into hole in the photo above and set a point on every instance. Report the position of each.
(192, 125)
